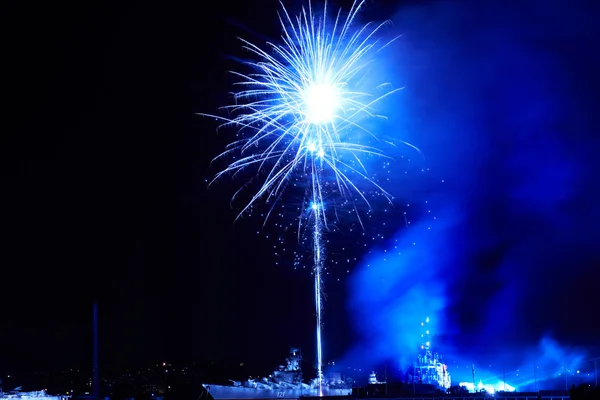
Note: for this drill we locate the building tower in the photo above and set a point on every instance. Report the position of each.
(429, 368)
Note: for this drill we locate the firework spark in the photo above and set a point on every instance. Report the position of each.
(298, 116)
(296, 111)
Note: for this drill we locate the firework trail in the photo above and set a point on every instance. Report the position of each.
(298, 116)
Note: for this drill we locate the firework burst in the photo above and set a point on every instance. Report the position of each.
(299, 114)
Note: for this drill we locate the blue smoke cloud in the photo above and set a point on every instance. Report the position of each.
(400, 285)
(501, 99)
(540, 366)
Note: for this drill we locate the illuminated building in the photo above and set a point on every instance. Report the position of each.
(429, 367)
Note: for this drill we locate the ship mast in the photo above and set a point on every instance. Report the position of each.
(96, 376)
(425, 341)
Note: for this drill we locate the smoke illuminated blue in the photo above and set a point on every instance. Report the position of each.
(299, 118)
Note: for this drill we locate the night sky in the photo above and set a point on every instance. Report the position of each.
(104, 167)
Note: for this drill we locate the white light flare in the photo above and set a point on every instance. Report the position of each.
(321, 102)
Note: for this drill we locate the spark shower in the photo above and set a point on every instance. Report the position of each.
(300, 116)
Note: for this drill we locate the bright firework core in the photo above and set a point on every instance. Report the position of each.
(322, 102)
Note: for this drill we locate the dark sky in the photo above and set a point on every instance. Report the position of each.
(104, 166)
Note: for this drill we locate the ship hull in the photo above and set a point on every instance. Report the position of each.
(39, 395)
(27, 397)
(220, 392)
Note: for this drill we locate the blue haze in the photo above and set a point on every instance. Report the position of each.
(501, 97)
